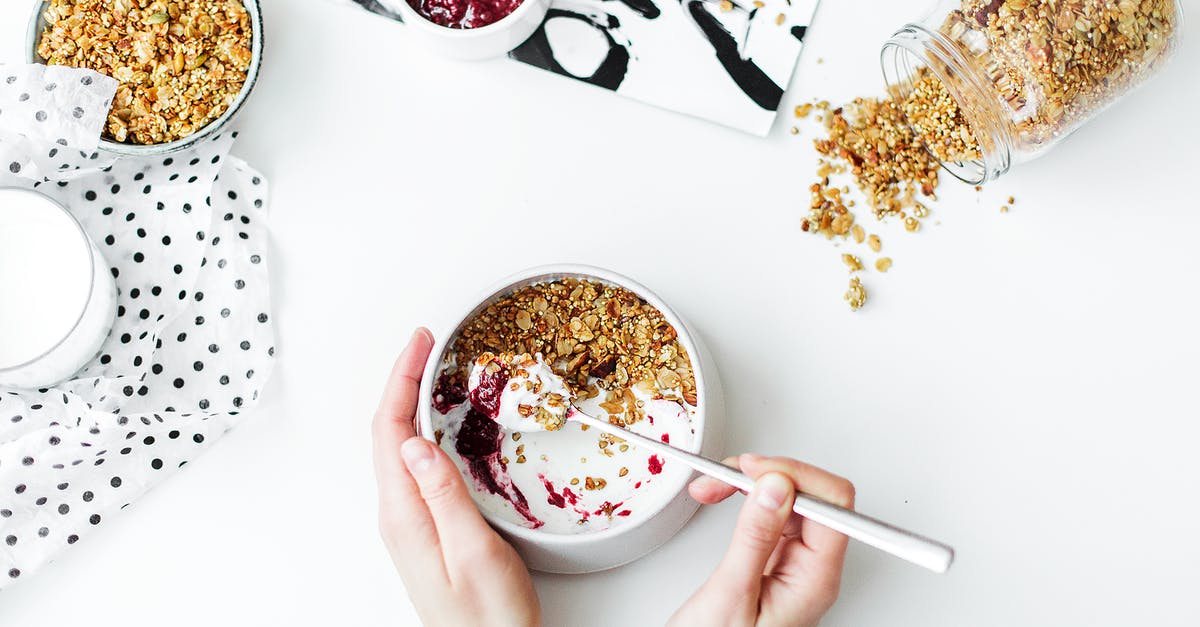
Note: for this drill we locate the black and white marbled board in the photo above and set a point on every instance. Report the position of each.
(730, 66)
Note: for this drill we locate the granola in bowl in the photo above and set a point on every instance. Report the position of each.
(181, 64)
(620, 358)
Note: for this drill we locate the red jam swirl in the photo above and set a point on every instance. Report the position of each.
(464, 13)
(479, 438)
(447, 395)
(485, 396)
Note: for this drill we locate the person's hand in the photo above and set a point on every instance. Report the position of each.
(456, 569)
(780, 569)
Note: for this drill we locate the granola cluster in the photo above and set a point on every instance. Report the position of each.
(856, 295)
(180, 63)
(602, 339)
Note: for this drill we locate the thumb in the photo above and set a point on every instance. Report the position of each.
(759, 528)
(461, 531)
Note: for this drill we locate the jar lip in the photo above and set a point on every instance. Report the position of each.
(900, 59)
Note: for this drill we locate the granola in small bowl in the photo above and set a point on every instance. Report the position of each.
(181, 64)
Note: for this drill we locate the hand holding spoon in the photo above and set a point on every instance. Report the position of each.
(531, 397)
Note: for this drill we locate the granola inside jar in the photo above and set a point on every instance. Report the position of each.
(991, 83)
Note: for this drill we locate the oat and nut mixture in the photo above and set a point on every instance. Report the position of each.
(870, 140)
(1053, 63)
(1050, 63)
(602, 339)
(180, 63)
(937, 120)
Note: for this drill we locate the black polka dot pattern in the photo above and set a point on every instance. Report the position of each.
(168, 382)
(66, 119)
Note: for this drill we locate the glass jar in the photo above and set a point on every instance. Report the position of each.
(57, 298)
(1024, 74)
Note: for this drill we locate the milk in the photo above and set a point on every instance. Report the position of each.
(57, 298)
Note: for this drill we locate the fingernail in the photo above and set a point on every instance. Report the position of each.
(417, 455)
(422, 332)
(772, 490)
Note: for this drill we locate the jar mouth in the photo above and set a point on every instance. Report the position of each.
(908, 52)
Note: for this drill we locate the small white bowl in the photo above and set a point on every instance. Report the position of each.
(600, 550)
(484, 42)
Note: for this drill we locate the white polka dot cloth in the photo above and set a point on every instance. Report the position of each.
(192, 344)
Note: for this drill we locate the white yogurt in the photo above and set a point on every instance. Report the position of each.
(57, 298)
(531, 476)
(531, 385)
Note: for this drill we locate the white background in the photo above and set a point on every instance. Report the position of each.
(1021, 385)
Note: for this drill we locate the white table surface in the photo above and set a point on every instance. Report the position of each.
(1021, 385)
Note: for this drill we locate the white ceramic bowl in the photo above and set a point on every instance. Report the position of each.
(473, 44)
(589, 552)
(37, 24)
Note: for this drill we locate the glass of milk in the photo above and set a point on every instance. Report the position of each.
(57, 297)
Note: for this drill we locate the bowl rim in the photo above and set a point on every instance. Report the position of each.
(253, 9)
(412, 17)
(549, 272)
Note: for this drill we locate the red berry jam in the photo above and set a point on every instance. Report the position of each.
(464, 13)
(447, 395)
(485, 396)
(478, 444)
(478, 437)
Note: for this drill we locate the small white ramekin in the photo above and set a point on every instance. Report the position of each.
(589, 552)
(474, 44)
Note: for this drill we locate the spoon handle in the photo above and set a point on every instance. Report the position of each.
(902, 543)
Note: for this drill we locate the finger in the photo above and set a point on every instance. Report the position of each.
(399, 401)
(816, 482)
(405, 523)
(461, 530)
(710, 490)
(393, 423)
(757, 533)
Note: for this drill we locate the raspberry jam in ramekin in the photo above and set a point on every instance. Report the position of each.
(464, 13)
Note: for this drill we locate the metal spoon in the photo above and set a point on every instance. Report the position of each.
(547, 392)
(902, 543)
